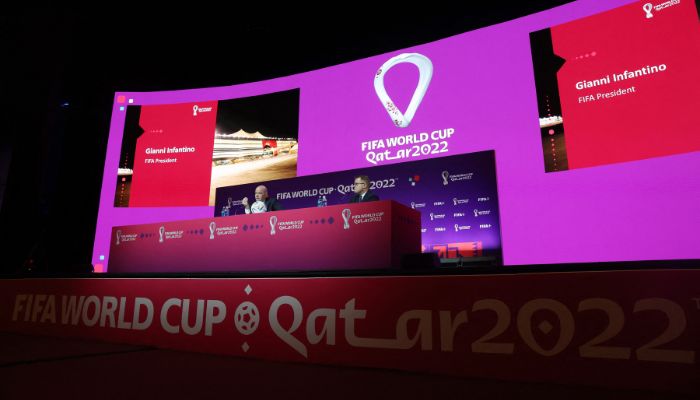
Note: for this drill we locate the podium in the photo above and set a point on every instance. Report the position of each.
(360, 236)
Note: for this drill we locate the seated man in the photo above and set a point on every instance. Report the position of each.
(362, 192)
(263, 202)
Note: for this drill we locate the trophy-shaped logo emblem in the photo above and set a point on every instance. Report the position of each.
(273, 223)
(445, 175)
(346, 218)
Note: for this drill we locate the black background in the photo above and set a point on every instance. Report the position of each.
(252, 114)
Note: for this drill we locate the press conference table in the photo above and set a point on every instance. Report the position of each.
(360, 236)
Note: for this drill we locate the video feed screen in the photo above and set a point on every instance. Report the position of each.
(178, 154)
(588, 111)
(618, 86)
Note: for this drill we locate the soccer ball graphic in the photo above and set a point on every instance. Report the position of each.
(246, 318)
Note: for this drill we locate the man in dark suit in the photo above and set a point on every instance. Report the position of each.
(263, 202)
(362, 192)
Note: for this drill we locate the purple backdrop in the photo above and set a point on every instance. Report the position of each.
(456, 196)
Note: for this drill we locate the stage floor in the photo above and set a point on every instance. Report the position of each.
(47, 367)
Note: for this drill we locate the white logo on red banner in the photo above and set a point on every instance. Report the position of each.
(273, 222)
(246, 318)
(346, 218)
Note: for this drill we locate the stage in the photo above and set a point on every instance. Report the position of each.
(622, 329)
(84, 369)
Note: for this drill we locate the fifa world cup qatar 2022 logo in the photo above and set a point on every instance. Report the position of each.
(212, 228)
(119, 236)
(346, 218)
(161, 233)
(425, 69)
(273, 223)
(445, 175)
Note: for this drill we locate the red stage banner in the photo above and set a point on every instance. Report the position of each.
(371, 235)
(633, 329)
